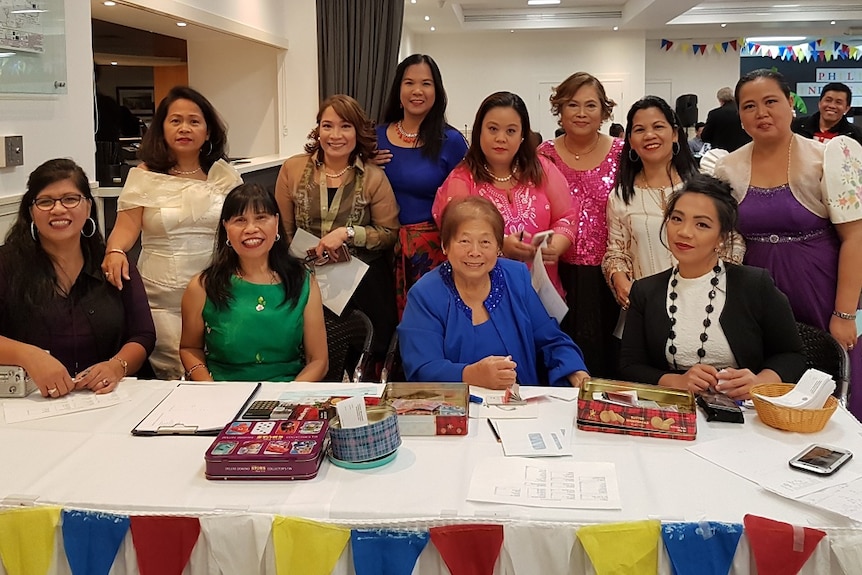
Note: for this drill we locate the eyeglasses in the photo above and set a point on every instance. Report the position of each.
(47, 204)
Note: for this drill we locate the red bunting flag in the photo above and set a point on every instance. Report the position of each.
(780, 548)
(733, 44)
(164, 544)
(468, 549)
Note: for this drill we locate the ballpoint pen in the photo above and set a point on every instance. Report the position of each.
(494, 430)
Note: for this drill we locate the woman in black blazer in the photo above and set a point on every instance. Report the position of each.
(706, 324)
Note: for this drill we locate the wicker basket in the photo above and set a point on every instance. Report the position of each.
(787, 418)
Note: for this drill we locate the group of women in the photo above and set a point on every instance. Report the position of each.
(631, 227)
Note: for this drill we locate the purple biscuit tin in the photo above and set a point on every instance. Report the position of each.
(268, 449)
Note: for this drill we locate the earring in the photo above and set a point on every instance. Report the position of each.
(635, 158)
(675, 147)
(33, 232)
(92, 222)
(277, 237)
(227, 243)
(210, 150)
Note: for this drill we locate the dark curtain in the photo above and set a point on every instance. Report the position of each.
(357, 49)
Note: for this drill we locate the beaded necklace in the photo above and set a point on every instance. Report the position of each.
(672, 308)
(406, 137)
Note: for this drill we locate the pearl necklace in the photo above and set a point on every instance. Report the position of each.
(501, 180)
(671, 336)
(577, 155)
(182, 173)
(338, 175)
(405, 136)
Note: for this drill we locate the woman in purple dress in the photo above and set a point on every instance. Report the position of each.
(588, 160)
(798, 221)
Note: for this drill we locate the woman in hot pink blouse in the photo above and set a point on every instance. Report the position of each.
(530, 193)
(588, 160)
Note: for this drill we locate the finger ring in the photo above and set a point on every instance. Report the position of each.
(52, 391)
(850, 347)
(108, 274)
(105, 382)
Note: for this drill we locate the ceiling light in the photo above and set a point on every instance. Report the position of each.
(181, 24)
(724, 25)
(542, 2)
(832, 22)
(511, 31)
(109, 3)
(776, 39)
(28, 11)
(785, 5)
(427, 18)
(616, 28)
(433, 28)
(113, 63)
(413, 1)
(6, 54)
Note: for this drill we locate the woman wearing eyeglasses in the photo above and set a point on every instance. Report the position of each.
(60, 319)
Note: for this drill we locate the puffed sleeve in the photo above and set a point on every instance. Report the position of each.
(458, 183)
(618, 255)
(139, 320)
(841, 185)
(565, 208)
(421, 334)
(381, 233)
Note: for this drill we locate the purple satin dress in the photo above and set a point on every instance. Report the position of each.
(800, 249)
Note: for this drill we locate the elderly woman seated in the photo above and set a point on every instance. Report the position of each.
(477, 318)
(705, 324)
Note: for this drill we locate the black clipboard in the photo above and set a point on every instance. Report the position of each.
(193, 408)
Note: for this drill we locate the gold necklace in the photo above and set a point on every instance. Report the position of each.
(501, 180)
(174, 170)
(405, 136)
(338, 175)
(577, 155)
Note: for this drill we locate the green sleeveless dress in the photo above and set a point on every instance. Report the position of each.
(256, 337)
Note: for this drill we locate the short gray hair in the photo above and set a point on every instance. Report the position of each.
(725, 95)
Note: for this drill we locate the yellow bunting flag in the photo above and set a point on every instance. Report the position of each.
(307, 547)
(622, 548)
(27, 539)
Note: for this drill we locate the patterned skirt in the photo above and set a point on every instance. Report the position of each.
(417, 252)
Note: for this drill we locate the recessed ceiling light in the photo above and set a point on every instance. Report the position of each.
(413, 1)
(542, 2)
(511, 31)
(785, 5)
(427, 18)
(724, 25)
(181, 24)
(616, 28)
(433, 28)
(832, 22)
(109, 3)
(113, 63)
(27, 11)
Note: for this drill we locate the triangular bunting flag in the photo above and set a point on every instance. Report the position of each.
(724, 46)
(92, 540)
(468, 549)
(385, 552)
(701, 548)
(733, 44)
(307, 547)
(163, 544)
(27, 539)
(695, 48)
(780, 548)
(236, 541)
(663, 44)
(617, 548)
(529, 546)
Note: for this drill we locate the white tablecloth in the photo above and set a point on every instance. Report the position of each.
(91, 461)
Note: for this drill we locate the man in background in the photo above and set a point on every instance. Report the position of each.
(829, 121)
(723, 130)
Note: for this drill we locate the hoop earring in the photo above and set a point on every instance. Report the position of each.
(635, 158)
(227, 243)
(33, 232)
(675, 147)
(210, 150)
(92, 231)
(277, 237)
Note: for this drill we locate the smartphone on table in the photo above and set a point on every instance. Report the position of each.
(821, 459)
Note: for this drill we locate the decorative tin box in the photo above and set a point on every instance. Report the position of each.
(429, 408)
(675, 417)
(269, 449)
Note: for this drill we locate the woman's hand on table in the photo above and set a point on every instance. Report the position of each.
(517, 247)
(622, 286)
(578, 378)
(736, 383)
(698, 378)
(102, 377)
(49, 375)
(492, 372)
(115, 266)
(331, 243)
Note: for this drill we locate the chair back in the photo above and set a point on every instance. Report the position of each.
(823, 352)
(349, 341)
(392, 368)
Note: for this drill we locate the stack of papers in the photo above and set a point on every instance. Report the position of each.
(534, 437)
(812, 391)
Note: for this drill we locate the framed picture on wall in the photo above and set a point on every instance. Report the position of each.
(138, 99)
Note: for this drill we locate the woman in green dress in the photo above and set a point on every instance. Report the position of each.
(255, 311)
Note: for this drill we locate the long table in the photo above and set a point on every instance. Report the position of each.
(90, 461)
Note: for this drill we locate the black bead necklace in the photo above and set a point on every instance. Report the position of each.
(701, 353)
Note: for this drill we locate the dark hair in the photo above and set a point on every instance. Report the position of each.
(155, 152)
(570, 86)
(432, 130)
(683, 160)
(716, 190)
(225, 262)
(837, 87)
(526, 158)
(350, 111)
(773, 75)
(32, 277)
(617, 130)
(466, 208)
(699, 125)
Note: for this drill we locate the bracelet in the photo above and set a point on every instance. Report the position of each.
(115, 251)
(192, 369)
(843, 315)
(124, 363)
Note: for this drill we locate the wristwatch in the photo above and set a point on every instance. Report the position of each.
(351, 233)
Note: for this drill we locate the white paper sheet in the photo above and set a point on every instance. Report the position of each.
(533, 437)
(298, 391)
(35, 406)
(337, 281)
(564, 484)
(845, 499)
(551, 298)
(197, 408)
